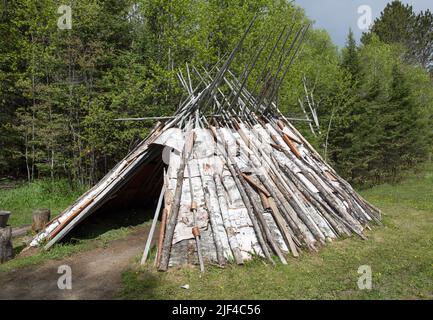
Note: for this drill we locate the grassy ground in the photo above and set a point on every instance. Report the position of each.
(60, 251)
(399, 254)
(56, 196)
(21, 201)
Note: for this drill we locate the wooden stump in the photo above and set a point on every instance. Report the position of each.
(4, 217)
(6, 249)
(40, 219)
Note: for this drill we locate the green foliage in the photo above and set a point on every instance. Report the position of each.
(394, 24)
(60, 90)
(350, 56)
(399, 24)
(422, 42)
(383, 128)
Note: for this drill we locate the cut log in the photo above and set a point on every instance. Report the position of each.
(6, 249)
(40, 219)
(20, 231)
(4, 217)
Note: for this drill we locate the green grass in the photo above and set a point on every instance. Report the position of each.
(21, 201)
(415, 191)
(56, 196)
(399, 253)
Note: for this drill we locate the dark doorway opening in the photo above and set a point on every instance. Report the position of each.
(131, 205)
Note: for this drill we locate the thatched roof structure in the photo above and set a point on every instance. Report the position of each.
(237, 178)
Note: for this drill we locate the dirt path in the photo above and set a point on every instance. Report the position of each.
(96, 274)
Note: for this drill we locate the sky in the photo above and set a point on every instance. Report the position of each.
(337, 16)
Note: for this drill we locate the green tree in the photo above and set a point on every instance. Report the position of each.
(10, 97)
(399, 24)
(395, 24)
(423, 40)
(351, 57)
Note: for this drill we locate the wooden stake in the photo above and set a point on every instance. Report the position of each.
(161, 235)
(195, 229)
(152, 228)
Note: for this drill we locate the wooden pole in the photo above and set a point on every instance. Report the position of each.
(195, 229)
(174, 210)
(222, 200)
(214, 225)
(263, 223)
(168, 200)
(284, 227)
(245, 199)
(152, 228)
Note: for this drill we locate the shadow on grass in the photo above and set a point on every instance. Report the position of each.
(139, 285)
(19, 248)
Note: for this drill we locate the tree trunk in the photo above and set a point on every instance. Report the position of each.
(40, 219)
(6, 249)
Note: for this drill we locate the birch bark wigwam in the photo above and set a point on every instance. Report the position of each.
(240, 181)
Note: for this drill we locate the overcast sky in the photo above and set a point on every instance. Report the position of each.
(336, 16)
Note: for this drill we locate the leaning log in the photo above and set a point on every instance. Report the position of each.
(251, 212)
(284, 227)
(229, 162)
(222, 201)
(258, 209)
(214, 224)
(174, 210)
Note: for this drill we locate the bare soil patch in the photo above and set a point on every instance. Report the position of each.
(96, 274)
